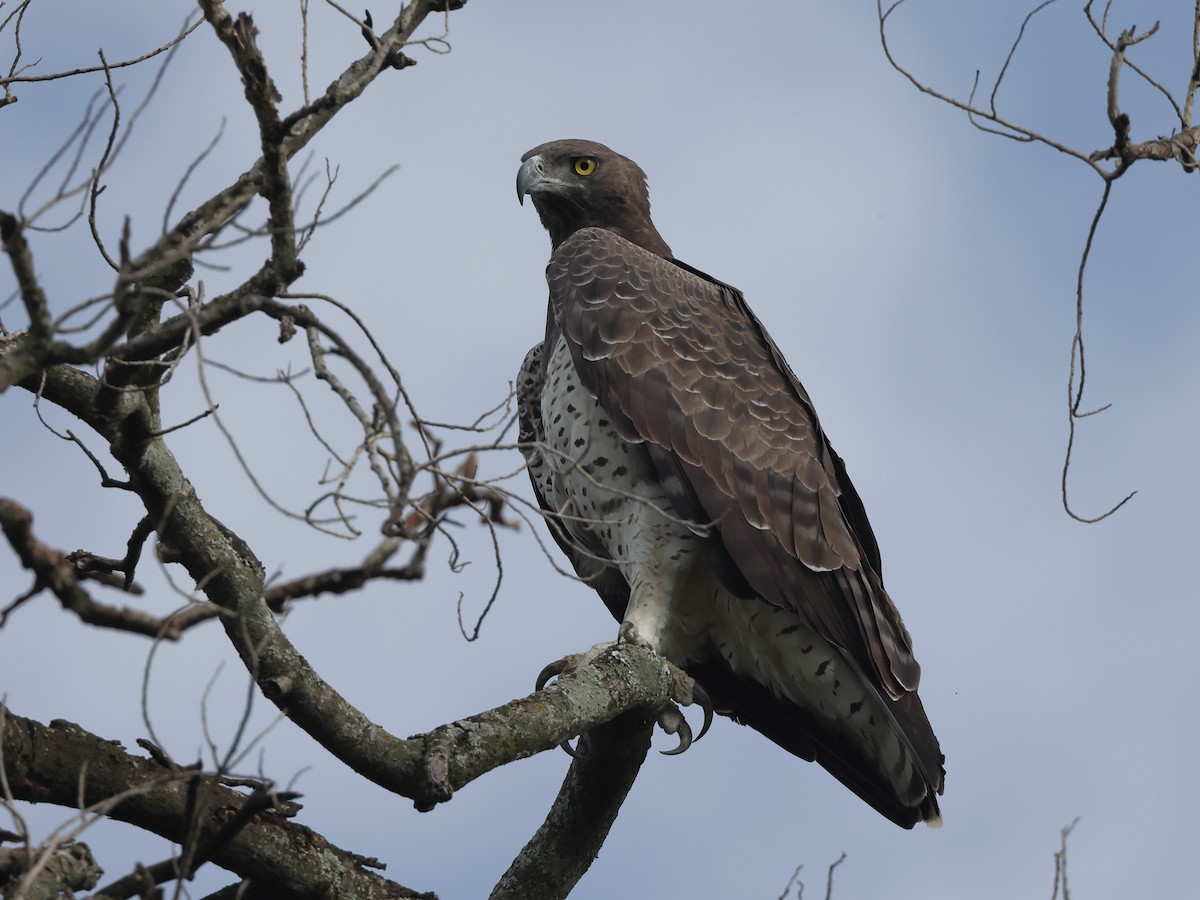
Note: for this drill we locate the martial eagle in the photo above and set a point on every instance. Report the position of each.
(686, 476)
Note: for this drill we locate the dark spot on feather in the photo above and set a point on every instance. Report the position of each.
(788, 630)
(855, 707)
(822, 667)
(602, 423)
(579, 442)
(620, 470)
(600, 461)
(571, 408)
(807, 649)
(570, 387)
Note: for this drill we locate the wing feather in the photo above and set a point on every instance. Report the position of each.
(680, 362)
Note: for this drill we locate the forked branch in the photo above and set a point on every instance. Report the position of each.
(1179, 146)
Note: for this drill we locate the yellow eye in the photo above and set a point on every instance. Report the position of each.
(585, 165)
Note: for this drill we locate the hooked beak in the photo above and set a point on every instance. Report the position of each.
(531, 177)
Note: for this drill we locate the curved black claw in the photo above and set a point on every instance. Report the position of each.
(553, 670)
(700, 696)
(672, 721)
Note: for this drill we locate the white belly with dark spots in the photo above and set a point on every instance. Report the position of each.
(611, 502)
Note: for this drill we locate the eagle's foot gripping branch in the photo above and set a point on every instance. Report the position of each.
(684, 692)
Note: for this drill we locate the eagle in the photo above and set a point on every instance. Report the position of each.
(682, 469)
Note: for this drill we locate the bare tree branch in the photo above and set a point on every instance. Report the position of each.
(1123, 153)
(55, 571)
(14, 78)
(1060, 862)
(1075, 394)
(66, 868)
(829, 875)
(602, 771)
(1118, 50)
(1181, 146)
(426, 769)
(296, 130)
(135, 345)
(247, 835)
(1012, 128)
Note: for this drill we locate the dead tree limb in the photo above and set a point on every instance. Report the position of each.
(62, 763)
(602, 771)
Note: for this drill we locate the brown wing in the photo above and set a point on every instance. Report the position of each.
(679, 362)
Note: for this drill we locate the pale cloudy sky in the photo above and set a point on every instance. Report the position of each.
(918, 274)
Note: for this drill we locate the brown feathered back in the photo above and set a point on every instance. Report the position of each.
(742, 449)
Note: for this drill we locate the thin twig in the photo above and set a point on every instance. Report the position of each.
(188, 172)
(304, 50)
(1075, 394)
(1060, 862)
(16, 79)
(1101, 29)
(970, 109)
(829, 877)
(787, 888)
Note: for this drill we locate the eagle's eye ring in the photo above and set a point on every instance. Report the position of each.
(585, 166)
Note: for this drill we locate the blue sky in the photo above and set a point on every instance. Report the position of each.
(918, 274)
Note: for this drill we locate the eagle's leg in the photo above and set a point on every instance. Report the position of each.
(685, 691)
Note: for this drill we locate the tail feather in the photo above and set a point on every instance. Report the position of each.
(903, 789)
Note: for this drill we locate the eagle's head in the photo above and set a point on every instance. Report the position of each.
(582, 184)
